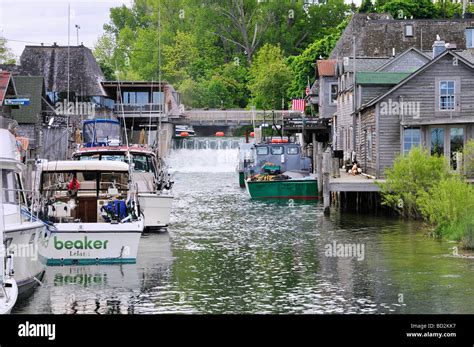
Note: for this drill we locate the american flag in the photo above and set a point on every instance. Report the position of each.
(298, 105)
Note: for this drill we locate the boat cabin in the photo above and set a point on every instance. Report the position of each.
(101, 132)
(81, 191)
(280, 157)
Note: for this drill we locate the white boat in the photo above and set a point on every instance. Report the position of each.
(22, 233)
(184, 131)
(152, 181)
(8, 286)
(94, 212)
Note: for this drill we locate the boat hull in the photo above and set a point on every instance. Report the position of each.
(287, 189)
(92, 243)
(7, 302)
(23, 242)
(156, 209)
(241, 179)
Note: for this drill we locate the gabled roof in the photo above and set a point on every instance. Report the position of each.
(401, 55)
(51, 62)
(362, 64)
(6, 85)
(380, 77)
(416, 73)
(326, 67)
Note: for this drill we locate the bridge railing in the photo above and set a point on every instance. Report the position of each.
(231, 116)
(135, 110)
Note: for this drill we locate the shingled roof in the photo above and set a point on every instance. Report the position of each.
(377, 34)
(52, 63)
(326, 67)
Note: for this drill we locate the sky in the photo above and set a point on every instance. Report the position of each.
(45, 21)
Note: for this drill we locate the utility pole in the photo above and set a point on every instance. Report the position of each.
(77, 33)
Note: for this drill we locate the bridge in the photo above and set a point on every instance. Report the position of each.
(292, 121)
(233, 117)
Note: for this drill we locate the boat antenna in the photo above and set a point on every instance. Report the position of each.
(68, 73)
(122, 113)
(160, 86)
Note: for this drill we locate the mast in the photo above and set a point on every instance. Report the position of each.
(160, 87)
(68, 72)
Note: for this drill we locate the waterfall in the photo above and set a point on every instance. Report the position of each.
(204, 154)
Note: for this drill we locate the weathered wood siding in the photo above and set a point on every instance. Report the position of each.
(326, 109)
(423, 89)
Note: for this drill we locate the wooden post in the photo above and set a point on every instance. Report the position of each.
(326, 181)
(315, 153)
(319, 167)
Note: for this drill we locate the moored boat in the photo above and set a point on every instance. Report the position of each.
(93, 210)
(147, 172)
(281, 172)
(22, 231)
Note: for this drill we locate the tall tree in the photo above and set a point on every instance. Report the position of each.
(6, 55)
(269, 77)
(366, 7)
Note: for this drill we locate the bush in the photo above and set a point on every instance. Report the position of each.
(411, 176)
(448, 205)
(469, 159)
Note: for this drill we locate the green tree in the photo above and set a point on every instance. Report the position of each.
(409, 8)
(6, 55)
(269, 77)
(302, 65)
(366, 7)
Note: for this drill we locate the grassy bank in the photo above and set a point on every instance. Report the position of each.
(421, 186)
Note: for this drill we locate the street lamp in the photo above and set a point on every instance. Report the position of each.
(77, 33)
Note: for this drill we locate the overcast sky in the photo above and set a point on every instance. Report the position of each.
(45, 21)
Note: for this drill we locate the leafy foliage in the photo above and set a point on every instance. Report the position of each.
(269, 77)
(6, 55)
(208, 46)
(411, 176)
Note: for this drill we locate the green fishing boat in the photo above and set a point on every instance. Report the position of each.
(292, 188)
(280, 171)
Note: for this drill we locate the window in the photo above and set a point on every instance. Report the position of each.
(369, 145)
(470, 38)
(10, 186)
(456, 138)
(135, 98)
(446, 95)
(292, 150)
(262, 150)
(408, 30)
(158, 98)
(411, 138)
(141, 163)
(277, 150)
(437, 141)
(333, 94)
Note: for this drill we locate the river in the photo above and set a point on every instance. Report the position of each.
(226, 254)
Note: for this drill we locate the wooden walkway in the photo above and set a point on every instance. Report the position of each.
(350, 183)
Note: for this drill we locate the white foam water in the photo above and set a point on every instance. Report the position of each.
(204, 155)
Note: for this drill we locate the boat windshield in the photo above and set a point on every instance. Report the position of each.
(292, 150)
(142, 163)
(262, 150)
(277, 150)
(85, 183)
(10, 186)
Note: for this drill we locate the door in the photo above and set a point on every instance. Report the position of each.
(448, 141)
